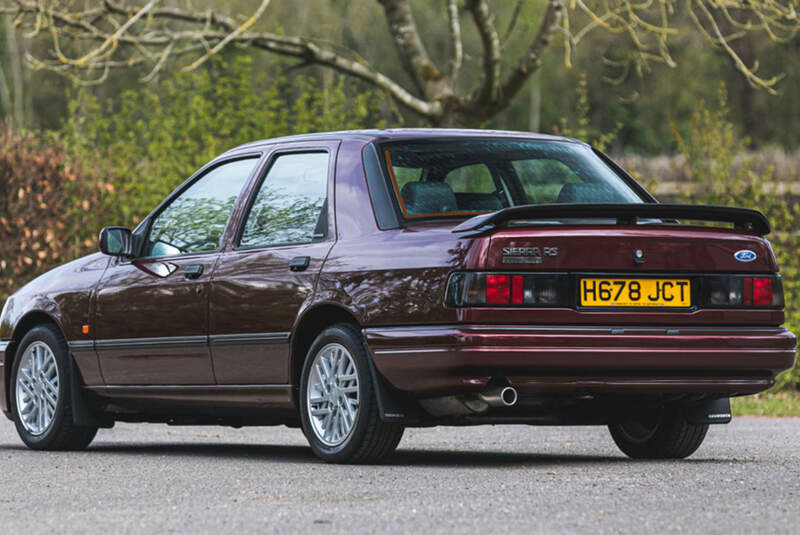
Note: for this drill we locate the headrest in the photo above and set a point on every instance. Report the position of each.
(428, 198)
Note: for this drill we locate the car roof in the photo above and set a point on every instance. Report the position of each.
(369, 135)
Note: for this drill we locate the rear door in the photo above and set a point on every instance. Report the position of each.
(151, 322)
(271, 269)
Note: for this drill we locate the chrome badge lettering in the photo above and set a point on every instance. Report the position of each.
(527, 255)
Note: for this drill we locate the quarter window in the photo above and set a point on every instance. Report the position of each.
(290, 207)
(195, 220)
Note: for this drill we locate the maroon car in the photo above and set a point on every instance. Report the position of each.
(358, 283)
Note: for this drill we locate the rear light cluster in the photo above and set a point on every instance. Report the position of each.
(483, 289)
(508, 289)
(744, 291)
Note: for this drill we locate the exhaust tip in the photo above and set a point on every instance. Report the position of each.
(508, 395)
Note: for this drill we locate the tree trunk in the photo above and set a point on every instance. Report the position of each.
(535, 113)
(18, 109)
(5, 94)
(459, 114)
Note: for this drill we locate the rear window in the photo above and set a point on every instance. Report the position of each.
(465, 177)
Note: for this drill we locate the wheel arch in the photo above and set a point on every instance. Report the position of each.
(26, 323)
(311, 323)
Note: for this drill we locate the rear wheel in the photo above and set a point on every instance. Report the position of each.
(665, 434)
(40, 394)
(338, 407)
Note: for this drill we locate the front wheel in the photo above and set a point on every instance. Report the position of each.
(664, 434)
(40, 395)
(338, 407)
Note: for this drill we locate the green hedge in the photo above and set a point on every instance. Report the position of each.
(710, 148)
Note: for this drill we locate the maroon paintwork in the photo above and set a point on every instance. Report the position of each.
(162, 347)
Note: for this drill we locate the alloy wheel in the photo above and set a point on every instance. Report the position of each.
(37, 388)
(332, 395)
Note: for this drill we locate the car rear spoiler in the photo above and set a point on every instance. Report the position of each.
(624, 214)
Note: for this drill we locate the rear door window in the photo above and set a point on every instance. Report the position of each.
(291, 204)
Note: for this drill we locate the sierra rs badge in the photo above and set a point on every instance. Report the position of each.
(527, 255)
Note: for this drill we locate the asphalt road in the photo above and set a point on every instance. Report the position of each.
(505, 479)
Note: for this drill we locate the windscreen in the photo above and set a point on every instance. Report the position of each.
(465, 177)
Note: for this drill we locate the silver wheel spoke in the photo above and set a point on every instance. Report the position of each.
(50, 399)
(26, 386)
(332, 394)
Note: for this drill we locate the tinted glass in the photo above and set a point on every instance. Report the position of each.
(289, 207)
(194, 221)
(471, 179)
(464, 177)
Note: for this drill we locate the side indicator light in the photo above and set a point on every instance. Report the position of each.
(85, 329)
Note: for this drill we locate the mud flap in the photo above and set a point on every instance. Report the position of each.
(715, 411)
(392, 406)
(82, 415)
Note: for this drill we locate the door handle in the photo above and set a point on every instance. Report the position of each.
(299, 263)
(194, 271)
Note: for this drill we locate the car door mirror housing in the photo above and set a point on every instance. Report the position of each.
(116, 241)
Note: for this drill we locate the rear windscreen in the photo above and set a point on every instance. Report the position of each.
(465, 177)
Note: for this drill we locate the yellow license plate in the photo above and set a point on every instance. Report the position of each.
(595, 292)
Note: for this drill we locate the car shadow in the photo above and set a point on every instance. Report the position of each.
(402, 457)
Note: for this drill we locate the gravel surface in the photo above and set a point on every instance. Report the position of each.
(153, 478)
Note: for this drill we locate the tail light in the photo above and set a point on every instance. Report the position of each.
(507, 289)
(744, 291)
(485, 289)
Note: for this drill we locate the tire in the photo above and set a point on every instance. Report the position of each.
(43, 354)
(664, 435)
(368, 439)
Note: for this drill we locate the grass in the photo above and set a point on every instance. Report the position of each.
(770, 404)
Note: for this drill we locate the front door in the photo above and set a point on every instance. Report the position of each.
(260, 285)
(151, 320)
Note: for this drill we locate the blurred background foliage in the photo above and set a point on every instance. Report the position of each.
(74, 159)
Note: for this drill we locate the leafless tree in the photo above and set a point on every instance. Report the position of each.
(121, 34)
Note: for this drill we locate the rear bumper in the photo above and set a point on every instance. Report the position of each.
(461, 359)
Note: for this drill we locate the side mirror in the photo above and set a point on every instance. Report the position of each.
(116, 241)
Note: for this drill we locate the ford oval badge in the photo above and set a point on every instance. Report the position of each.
(745, 255)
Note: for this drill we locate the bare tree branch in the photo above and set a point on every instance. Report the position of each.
(457, 52)
(512, 22)
(110, 43)
(748, 72)
(533, 57)
(231, 36)
(115, 34)
(484, 20)
(412, 52)
(310, 52)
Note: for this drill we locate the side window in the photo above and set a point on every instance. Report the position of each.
(290, 207)
(195, 220)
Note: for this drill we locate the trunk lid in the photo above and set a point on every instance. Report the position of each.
(664, 249)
